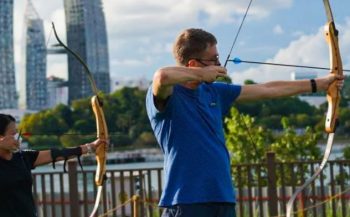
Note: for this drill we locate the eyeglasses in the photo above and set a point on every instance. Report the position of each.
(215, 61)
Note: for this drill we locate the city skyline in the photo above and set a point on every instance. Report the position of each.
(140, 34)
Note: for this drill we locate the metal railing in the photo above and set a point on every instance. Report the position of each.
(261, 189)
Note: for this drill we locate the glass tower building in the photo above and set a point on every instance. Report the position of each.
(8, 95)
(87, 36)
(33, 81)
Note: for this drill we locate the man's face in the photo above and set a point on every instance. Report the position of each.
(210, 57)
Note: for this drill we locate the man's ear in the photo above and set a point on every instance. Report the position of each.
(192, 63)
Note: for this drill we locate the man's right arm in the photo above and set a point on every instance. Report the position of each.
(165, 78)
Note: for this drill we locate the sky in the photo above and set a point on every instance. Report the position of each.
(141, 33)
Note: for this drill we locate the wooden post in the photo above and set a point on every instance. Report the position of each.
(73, 189)
(136, 200)
(272, 187)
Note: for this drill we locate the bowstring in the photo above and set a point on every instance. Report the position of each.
(238, 32)
(228, 58)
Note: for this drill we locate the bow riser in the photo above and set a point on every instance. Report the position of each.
(102, 133)
(333, 93)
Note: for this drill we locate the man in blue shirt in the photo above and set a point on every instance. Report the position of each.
(186, 108)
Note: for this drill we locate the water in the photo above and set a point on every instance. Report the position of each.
(90, 179)
(337, 150)
(126, 166)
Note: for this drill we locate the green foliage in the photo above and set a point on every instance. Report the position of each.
(346, 152)
(248, 142)
(245, 146)
(146, 139)
(249, 82)
(44, 121)
(268, 113)
(125, 114)
(72, 139)
(346, 89)
(44, 142)
(291, 146)
(224, 79)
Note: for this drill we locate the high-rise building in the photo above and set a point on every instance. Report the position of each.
(8, 95)
(87, 36)
(303, 75)
(33, 83)
(57, 91)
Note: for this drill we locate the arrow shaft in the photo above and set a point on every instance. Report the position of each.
(286, 65)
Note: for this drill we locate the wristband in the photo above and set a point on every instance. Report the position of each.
(313, 86)
(65, 153)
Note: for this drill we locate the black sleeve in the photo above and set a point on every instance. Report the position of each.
(30, 157)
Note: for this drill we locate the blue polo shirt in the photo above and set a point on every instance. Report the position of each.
(190, 134)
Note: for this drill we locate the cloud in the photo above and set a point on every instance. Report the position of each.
(137, 28)
(131, 62)
(57, 66)
(140, 33)
(309, 50)
(149, 17)
(278, 30)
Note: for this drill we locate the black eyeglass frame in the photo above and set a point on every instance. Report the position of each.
(216, 61)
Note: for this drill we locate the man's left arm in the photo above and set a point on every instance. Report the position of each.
(275, 89)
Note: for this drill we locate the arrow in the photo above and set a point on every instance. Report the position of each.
(238, 61)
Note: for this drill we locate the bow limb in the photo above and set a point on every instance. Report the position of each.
(101, 151)
(101, 126)
(333, 98)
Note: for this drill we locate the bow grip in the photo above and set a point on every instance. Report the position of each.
(333, 93)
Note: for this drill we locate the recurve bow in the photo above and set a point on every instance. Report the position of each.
(101, 126)
(333, 98)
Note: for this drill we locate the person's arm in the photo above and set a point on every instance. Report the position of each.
(45, 156)
(277, 89)
(165, 78)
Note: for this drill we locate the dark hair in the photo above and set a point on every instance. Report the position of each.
(5, 120)
(191, 43)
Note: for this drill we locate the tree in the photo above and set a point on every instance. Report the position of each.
(291, 145)
(248, 142)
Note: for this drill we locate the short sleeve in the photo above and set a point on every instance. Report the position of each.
(227, 94)
(152, 110)
(150, 105)
(30, 157)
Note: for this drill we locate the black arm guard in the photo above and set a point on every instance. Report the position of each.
(65, 153)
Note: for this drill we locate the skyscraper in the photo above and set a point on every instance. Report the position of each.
(86, 35)
(57, 91)
(8, 98)
(33, 88)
